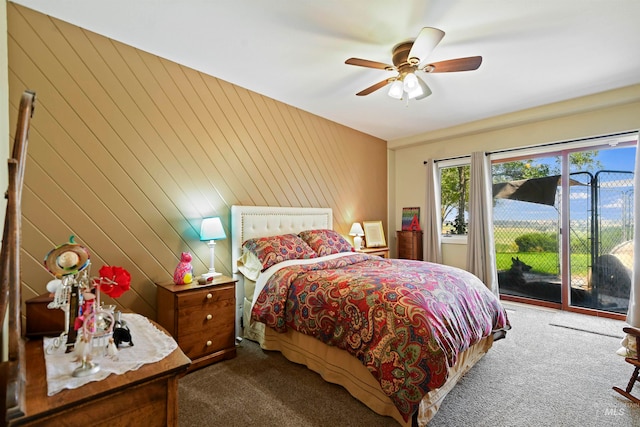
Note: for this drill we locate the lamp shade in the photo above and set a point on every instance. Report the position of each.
(211, 229)
(421, 91)
(356, 230)
(410, 83)
(396, 90)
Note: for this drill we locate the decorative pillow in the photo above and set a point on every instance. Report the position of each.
(250, 266)
(274, 249)
(326, 242)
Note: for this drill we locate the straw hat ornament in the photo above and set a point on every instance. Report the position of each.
(65, 259)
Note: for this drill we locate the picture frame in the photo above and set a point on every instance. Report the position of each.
(410, 219)
(374, 234)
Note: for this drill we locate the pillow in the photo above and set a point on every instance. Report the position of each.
(274, 249)
(250, 266)
(326, 242)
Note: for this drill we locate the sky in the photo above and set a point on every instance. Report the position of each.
(619, 158)
(615, 198)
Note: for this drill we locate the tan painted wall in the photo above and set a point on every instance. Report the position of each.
(603, 114)
(129, 151)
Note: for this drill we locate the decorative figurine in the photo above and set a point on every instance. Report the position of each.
(121, 332)
(183, 275)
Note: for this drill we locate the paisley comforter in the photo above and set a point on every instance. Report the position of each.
(406, 321)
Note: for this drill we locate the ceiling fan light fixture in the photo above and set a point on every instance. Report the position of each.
(408, 57)
(422, 93)
(410, 83)
(414, 93)
(396, 90)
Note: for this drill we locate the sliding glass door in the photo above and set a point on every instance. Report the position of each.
(527, 225)
(563, 224)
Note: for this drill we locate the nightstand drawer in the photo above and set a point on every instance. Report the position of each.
(205, 297)
(214, 316)
(201, 343)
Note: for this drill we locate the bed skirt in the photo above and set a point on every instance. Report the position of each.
(339, 367)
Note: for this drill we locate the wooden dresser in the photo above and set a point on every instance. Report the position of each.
(147, 396)
(410, 244)
(201, 318)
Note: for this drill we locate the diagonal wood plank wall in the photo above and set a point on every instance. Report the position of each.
(129, 151)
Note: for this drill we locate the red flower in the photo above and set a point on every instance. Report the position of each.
(114, 281)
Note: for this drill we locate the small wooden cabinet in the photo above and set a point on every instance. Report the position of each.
(201, 318)
(382, 251)
(410, 244)
(42, 320)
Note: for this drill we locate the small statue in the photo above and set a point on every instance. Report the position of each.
(183, 275)
(122, 334)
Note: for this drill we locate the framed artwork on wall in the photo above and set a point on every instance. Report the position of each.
(374, 234)
(410, 219)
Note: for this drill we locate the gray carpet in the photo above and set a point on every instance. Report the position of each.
(553, 369)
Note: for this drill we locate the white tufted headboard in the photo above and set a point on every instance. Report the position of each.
(248, 222)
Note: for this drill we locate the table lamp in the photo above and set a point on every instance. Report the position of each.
(357, 232)
(211, 230)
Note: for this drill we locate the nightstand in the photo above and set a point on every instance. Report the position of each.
(201, 318)
(382, 251)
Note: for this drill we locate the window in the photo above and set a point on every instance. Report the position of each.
(454, 196)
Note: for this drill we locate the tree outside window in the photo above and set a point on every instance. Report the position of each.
(454, 184)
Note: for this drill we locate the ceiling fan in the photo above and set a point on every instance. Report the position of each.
(408, 58)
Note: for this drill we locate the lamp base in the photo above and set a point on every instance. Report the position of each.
(357, 243)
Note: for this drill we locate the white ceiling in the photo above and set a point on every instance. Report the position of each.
(534, 52)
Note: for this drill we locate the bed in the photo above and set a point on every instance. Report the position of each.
(401, 382)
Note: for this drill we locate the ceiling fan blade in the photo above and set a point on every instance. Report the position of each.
(460, 64)
(375, 87)
(426, 41)
(368, 64)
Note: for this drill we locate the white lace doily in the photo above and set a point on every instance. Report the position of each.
(150, 346)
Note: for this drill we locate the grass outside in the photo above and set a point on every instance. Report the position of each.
(541, 262)
(544, 262)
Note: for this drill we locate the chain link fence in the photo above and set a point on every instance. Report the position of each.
(528, 245)
(612, 240)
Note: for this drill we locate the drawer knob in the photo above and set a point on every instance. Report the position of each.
(209, 343)
(209, 317)
(209, 296)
